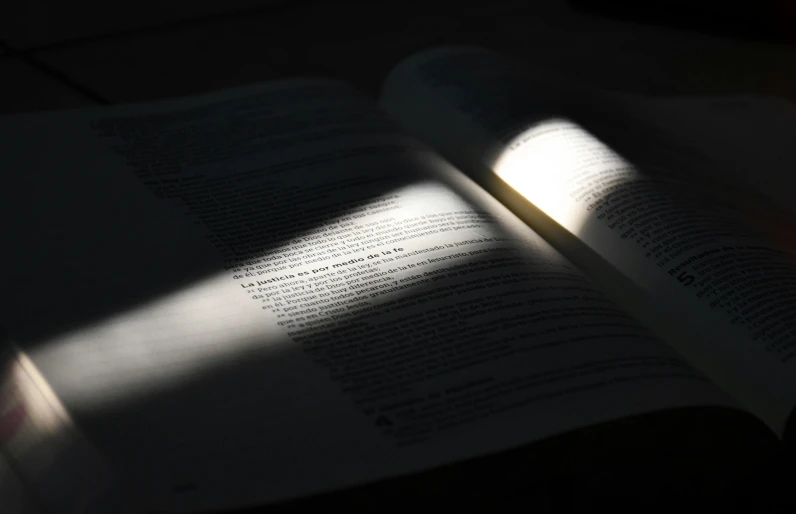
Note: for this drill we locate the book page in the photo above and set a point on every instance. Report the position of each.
(661, 241)
(274, 292)
(737, 147)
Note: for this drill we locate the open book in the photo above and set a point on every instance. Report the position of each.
(277, 291)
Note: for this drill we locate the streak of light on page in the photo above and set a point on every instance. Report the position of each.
(184, 335)
(541, 165)
(552, 163)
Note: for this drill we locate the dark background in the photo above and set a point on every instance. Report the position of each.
(66, 53)
(56, 54)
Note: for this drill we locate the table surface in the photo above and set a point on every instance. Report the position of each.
(66, 54)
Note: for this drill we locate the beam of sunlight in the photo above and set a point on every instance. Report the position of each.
(210, 324)
(555, 164)
(550, 164)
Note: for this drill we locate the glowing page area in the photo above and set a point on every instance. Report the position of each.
(707, 282)
(411, 322)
